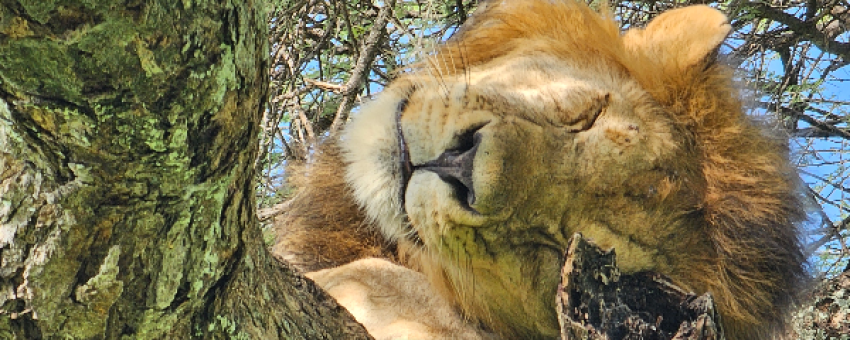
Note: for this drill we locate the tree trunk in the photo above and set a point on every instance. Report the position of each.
(128, 131)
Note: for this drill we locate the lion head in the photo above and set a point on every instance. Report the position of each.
(540, 120)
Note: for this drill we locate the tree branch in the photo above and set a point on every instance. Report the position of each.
(595, 302)
(326, 86)
(805, 29)
(368, 51)
(821, 129)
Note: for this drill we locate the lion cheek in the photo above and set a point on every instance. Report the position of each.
(509, 289)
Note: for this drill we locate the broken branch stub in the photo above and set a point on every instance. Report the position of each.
(595, 302)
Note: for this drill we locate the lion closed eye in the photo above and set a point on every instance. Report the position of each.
(545, 121)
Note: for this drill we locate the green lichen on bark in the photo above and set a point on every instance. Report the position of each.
(827, 315)
(128, 132)
(97, 295)
(52, 73)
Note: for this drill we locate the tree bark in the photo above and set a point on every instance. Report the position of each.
(128, 132)
(826, 314)
(597, 302)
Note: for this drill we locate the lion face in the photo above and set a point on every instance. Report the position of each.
(484, 176)
(542, 120)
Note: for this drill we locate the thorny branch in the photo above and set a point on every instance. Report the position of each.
(821, 36)
(368, 51)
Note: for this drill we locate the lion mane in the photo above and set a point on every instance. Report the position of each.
(539, 119)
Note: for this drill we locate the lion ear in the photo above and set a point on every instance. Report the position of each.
(681, 38)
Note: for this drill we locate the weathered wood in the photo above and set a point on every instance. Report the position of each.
(826, 313)
(596, 301)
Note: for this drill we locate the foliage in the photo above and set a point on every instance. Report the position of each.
(328, 55)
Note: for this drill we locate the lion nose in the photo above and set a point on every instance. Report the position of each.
(455, 167)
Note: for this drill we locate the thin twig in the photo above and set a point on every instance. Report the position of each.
(326, 86)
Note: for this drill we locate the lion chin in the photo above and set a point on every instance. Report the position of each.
(469, 175)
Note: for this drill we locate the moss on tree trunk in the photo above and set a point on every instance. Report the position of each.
(128, 132)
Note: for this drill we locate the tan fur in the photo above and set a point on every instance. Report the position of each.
(394, 302)
(323, 227)
(638, 141)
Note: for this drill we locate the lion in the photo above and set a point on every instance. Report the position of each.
(540, 119)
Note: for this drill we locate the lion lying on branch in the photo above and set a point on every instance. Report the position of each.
(538, 120)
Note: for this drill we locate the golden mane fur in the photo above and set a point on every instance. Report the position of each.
(733, 186)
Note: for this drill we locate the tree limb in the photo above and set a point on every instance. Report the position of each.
(368, 51)
(805, 29)
(595, 302)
